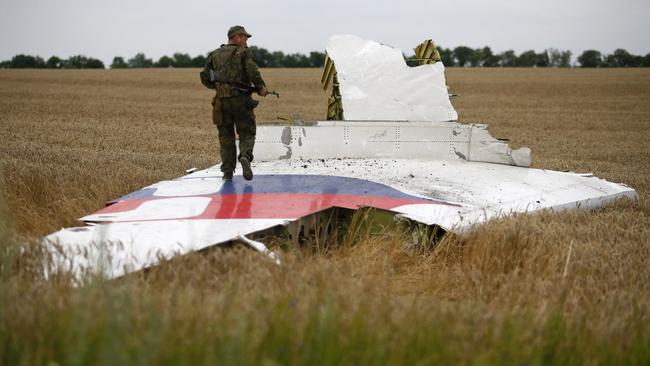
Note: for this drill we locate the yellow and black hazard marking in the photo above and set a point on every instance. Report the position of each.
(334, 103)
(427, 52)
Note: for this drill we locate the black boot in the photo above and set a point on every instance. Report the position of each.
(246, 167)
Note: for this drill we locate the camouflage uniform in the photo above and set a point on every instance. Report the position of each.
(233, 108)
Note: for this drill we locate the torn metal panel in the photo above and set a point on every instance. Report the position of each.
(472, 192)
(114, 248)
(334, 104)
(328, 72)
(199, 210)
(377, 139)
(376, 84)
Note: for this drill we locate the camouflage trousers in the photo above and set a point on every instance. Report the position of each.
(230, 115)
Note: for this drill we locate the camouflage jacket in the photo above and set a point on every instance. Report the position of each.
(237, 64)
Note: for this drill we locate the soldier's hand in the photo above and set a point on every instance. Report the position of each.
(263, 92)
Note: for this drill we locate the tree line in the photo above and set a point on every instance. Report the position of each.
(263, 57)
(54, 62)
(463, 56)
(460, 56)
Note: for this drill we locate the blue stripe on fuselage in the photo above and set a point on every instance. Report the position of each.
(286, 183)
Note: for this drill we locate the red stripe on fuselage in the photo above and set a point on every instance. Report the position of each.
(275, 205)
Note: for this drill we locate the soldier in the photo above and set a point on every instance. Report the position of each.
(232, 106)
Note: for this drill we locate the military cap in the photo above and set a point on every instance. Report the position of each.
(237, 29)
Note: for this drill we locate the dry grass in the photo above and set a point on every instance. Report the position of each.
(571, 288)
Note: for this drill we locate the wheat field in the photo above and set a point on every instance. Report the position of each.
(571, 288)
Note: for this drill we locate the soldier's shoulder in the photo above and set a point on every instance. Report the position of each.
(215, 52)
(246, 52)
(223, 47)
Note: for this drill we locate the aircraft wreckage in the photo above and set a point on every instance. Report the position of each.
(391, 142)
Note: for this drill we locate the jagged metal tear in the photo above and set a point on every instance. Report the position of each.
(377, 85)
(391, 110)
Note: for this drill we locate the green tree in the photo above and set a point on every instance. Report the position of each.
(165, 61)
(565, 58)
(94, 63)
(82, 62)
(262, 57)
(553, 57)
(476, 58)
(542, 59)
(182, 60)
(27, 62)
(75, 62)
(140, 61)
(621, 58)
(608, 61)
(199, 61)
(557, 58)
(590, 58)
(316, 59)
(296, 60)
(462, 55)
(119, 63)
(54, 63)
(446, 56)
(645, 60)
(527, 59)
(488, 59)
(277, 59)
(508, 58)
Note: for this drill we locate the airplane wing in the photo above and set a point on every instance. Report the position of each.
(198, 210)
(397, 150)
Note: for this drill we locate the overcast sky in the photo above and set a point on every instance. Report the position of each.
(107, 28)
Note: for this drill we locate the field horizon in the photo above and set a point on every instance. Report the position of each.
(570, 288)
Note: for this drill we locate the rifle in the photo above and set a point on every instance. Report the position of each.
(209, 77)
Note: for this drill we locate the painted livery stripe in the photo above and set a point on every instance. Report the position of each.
(266, 206)
(283, 183)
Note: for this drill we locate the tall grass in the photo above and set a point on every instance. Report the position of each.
(502, 294)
